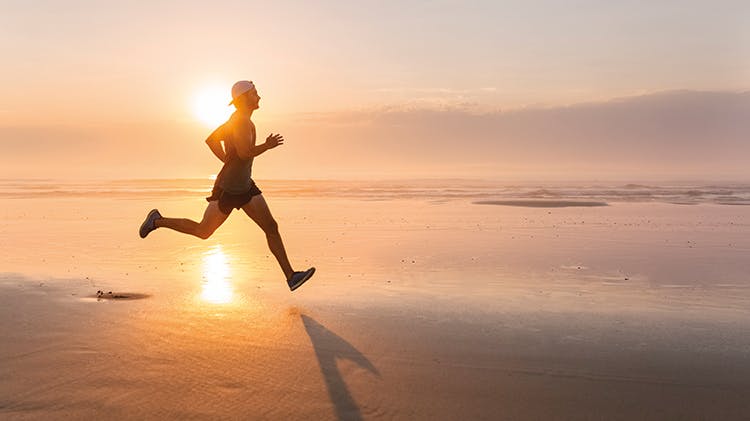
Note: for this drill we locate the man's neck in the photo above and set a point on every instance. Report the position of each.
(245, 113)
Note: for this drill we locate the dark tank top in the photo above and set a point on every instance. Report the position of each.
(235, 175)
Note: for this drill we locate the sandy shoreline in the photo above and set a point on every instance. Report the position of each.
(275, 357)
(419, 310)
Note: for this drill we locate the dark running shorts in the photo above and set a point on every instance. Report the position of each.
(227, 201)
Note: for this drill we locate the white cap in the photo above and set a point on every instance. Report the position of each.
(240, 88)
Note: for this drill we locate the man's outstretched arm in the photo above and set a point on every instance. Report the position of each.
(272, 141)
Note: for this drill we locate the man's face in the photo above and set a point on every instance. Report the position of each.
(252, 100)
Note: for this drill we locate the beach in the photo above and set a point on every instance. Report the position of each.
(439, 299)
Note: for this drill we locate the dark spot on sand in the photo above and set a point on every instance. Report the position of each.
(110, 295)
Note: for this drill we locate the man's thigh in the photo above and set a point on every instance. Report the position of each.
(257, 209)
(213, 217)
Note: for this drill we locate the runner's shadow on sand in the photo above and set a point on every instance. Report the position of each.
(328, 348)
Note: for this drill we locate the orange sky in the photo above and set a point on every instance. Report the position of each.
(91, 88)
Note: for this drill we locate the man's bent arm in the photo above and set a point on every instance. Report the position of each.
(214, 143)
(216, 148)
(253, 151)
(271, 142)
(257, 150)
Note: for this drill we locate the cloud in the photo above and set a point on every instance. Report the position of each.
(682, 133)
(669, 124)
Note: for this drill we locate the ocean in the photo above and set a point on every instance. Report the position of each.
(431, 190)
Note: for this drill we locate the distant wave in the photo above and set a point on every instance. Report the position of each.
(541, 203)
(433, 190)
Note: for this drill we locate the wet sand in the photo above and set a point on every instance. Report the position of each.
(419, 310)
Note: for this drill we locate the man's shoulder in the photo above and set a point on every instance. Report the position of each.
(226, 129)
(238, 121)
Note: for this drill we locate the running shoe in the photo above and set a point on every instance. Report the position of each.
(148, 224)
(299, 278)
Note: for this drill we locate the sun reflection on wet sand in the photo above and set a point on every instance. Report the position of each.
(216, 288)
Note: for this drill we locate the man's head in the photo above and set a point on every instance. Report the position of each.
(245, 96)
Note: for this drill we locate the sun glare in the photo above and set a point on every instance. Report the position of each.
(210, 106)
(217, 288)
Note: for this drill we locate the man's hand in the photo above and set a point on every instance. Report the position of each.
(274, 140)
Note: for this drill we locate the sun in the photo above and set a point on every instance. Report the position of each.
(210, 106)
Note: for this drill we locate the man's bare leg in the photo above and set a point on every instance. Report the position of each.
(257, 210)
(213, 217)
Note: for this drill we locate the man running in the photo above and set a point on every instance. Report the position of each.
(233, 187)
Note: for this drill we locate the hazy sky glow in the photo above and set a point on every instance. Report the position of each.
(90, 76)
